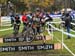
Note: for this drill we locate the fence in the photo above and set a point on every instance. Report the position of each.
(63, 44)
(6, 21)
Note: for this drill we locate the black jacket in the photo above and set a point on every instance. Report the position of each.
(67, 21)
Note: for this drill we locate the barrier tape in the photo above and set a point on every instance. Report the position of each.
(72, 30)
(6, 29)
(61, 30)
(62, 43)
(73, 24)
(66, 47)
(62, 22)
(47, 22)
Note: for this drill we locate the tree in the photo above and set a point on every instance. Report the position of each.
(19, 6)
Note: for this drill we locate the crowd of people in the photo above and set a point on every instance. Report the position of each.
(39, 18)
(35, 20)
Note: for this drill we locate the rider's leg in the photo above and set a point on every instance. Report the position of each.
(44, 39)
(24, 28)
(14, 27)
(38, 30)
(18, 27)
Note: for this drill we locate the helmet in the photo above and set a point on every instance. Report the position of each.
(9, 2)
(16, 14)
(37, 9)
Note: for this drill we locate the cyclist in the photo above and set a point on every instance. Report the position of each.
(12, 20)
(29, 16)
(25, 21)
(37, 20)
(17, 22)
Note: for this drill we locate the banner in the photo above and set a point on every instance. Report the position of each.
(17, 39)
(27, 48)
(55, 16)
(22, 39)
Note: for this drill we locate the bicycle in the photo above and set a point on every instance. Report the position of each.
(73, 24)
(16, 28)
(62, 25)
(28, 33)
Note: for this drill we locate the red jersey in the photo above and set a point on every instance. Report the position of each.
(24, 18)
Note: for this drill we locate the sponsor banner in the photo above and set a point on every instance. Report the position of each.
(27, 48)
(54, 16)
(17, 39)
(22, 39)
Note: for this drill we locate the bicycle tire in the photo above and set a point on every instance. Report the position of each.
(73, 27)
(61, 25)
(16, 30)
(27, 34)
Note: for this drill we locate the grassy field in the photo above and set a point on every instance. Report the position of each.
(69, 42)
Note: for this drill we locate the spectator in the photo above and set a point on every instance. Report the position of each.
(12, 19)
(68, 23)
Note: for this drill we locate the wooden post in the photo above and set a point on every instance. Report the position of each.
(1, 40)
(57, 46)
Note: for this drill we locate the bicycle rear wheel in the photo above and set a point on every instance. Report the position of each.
(15, 30)
(29, 35)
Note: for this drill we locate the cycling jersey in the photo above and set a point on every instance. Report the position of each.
(17, 20)
(24, 19)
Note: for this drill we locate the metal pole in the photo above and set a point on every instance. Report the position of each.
(62, 37)
(52, 34)
(0, 14)
(65, 5)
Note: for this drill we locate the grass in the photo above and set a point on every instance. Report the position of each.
(60, 52)
(69, 42)
(4, 27)
(8, 32)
